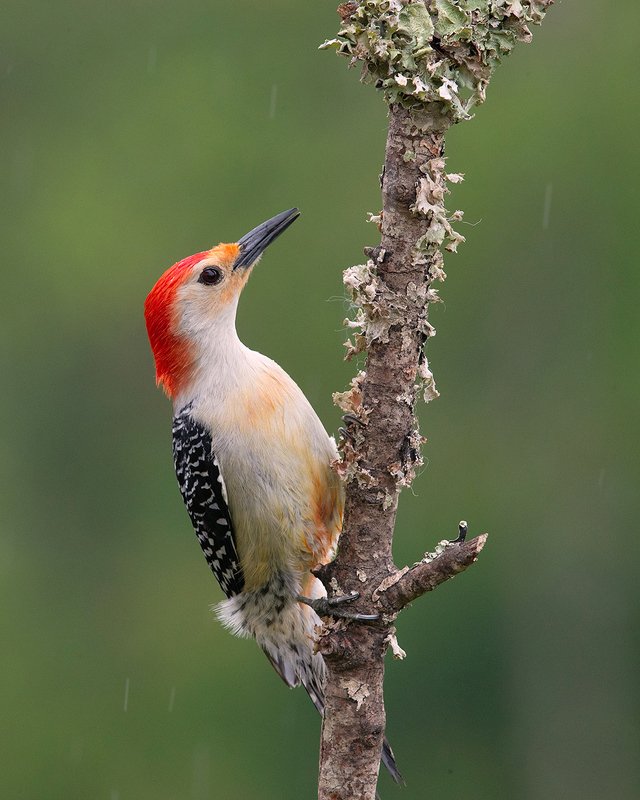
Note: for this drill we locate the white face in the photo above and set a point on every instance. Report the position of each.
(207, 299)
(190, 312)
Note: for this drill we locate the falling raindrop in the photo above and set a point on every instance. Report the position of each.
(126, 694)
(548, 194)
(152, 59)
(76, 748)
(172, 698)
(201, 773)
(23, 169)
(272, 102)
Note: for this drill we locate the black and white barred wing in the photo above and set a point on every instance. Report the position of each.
(204, 494)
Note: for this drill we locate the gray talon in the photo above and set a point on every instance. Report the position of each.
(342, 599)
(346, 434)
(330, 607)
(352, 419)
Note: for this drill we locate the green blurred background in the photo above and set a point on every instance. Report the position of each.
(137, 132)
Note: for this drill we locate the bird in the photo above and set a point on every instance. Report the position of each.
(252, 459)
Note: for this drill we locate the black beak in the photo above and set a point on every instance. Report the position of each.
(254, 243)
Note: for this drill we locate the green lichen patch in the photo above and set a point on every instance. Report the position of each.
(348, 465)
(434, 51)
(378, 308)
(429, 202)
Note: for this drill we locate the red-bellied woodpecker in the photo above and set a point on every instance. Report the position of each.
(252, 458)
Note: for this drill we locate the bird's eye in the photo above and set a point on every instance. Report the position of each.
(210, 276)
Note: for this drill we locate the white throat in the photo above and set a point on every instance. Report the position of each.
(221, 360)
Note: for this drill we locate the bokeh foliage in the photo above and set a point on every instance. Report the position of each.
(135, 133)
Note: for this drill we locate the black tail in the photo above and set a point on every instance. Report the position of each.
(296, 663)
(389, 760)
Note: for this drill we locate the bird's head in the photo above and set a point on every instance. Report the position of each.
(195, 300)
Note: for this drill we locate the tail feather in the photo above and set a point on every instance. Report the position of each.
(282, 666)
(389, 760)
(309, 670)
(287, 640)
(298, 664)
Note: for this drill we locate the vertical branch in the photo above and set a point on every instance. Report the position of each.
(382, 451)
(433, 59)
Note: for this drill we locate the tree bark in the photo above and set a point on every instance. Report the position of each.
(380, 454)
(433, 60)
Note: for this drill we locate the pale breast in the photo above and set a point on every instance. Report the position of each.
(274, 454)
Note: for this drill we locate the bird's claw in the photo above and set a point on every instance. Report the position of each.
(462, 533)
(352, 419)
(331, 607)
(346, 434)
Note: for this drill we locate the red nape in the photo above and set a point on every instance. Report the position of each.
(171, 352)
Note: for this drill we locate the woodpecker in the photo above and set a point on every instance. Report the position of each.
(252, 459)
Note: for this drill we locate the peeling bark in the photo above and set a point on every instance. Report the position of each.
(380, 455)
(433, 60)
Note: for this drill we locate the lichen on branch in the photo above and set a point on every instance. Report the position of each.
(433, 60)
(434, 51)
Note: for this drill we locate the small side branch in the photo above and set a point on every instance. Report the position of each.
(426, 575)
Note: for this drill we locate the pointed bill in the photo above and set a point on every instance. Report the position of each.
(254, 243)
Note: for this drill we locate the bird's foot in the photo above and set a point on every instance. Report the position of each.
(349, 419)
(462, 533)
(332, 607)
(352, 419)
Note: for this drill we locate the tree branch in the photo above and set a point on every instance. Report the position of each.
(433, 60)
(382, 449)
(428, 574)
